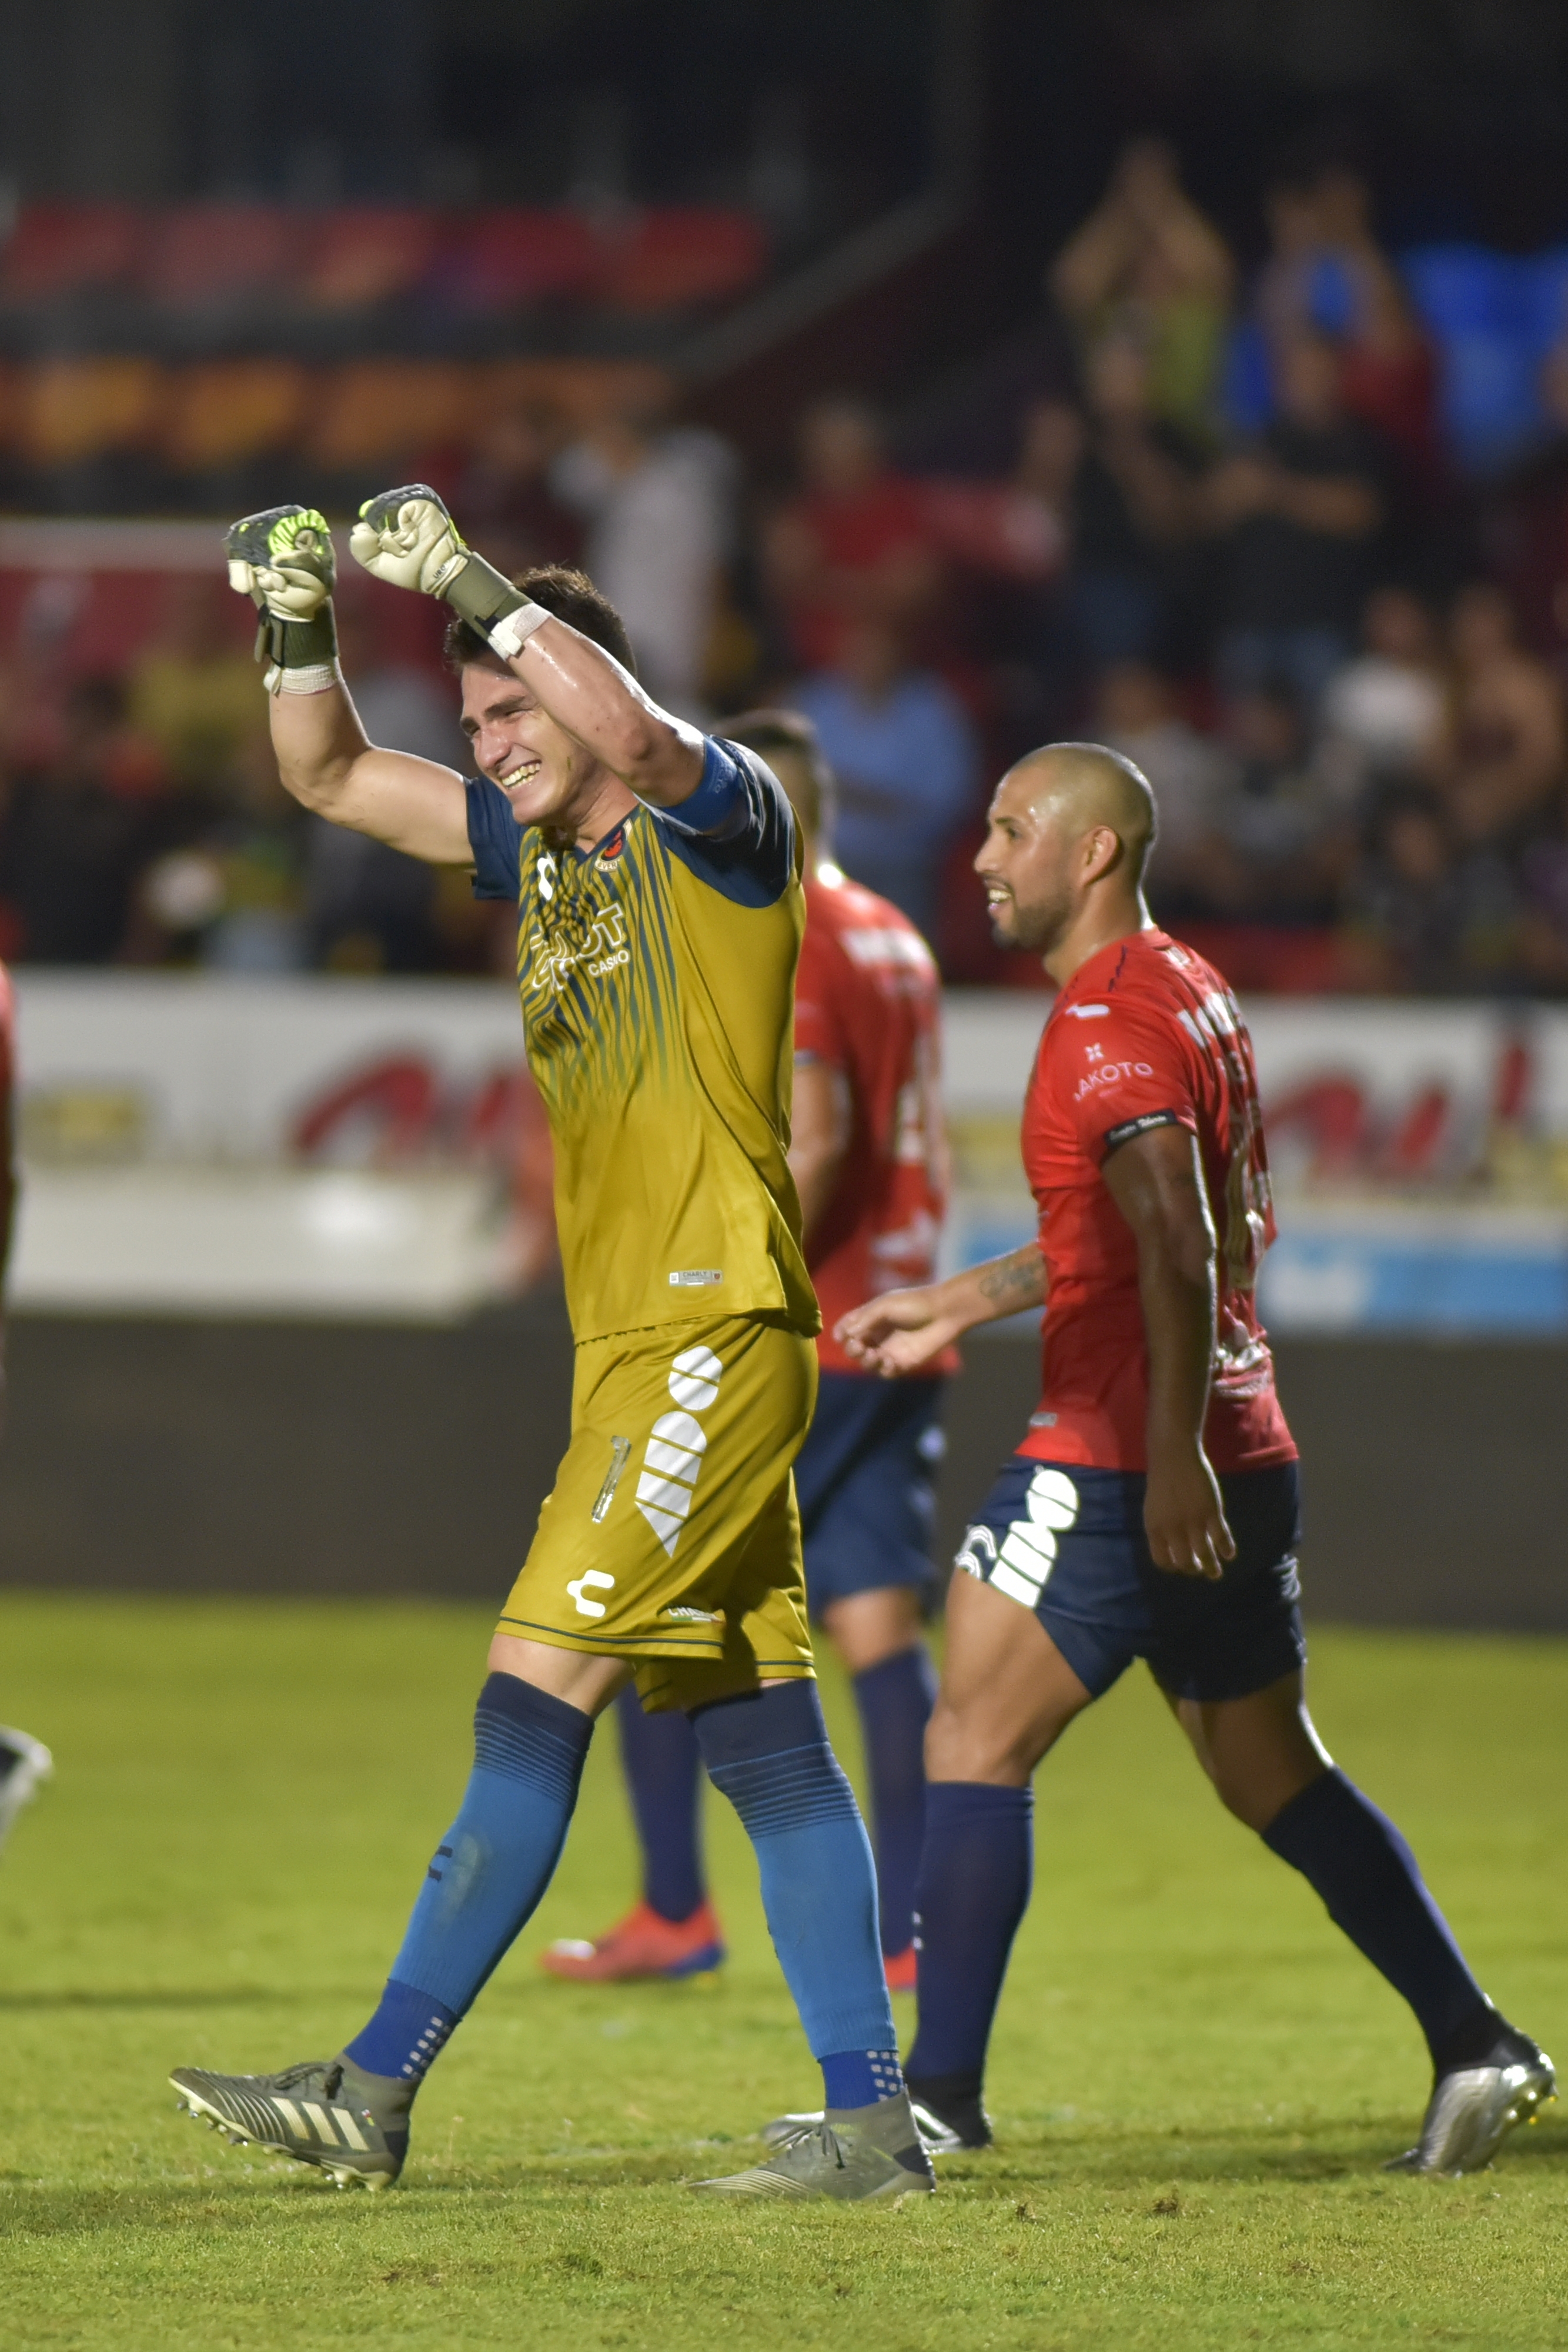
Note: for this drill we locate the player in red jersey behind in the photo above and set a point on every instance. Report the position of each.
(869, 1159)
(1151, 1510)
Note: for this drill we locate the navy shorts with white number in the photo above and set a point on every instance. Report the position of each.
(1069, 1543)
(865, 1483)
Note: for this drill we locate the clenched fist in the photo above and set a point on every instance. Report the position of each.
(407, 538)
(283, 561)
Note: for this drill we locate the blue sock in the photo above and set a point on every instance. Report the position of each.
(894, 1699)
(975, 1878)
(1373, 1889)
(487, 1874)
(770, 1754)
(661, 1760)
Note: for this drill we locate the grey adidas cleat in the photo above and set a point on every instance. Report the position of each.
(851, 2153)
(327, 2112)
(1474, 2108)
(938, 2136)
(25, 1765)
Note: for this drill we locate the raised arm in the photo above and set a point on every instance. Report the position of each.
(283, 561)
(407, 537)
(1156, 1180)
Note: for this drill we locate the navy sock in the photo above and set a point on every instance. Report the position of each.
(974, 1877)
(894, 1698)
(661, 1760)
(1371, 1885)
(770, 1754)
(488, 1873)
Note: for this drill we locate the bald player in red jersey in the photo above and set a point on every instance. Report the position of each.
(1151, 1509)
(25, 1762)
(869, 1160)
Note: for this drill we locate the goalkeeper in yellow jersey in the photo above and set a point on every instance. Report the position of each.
(657, 880)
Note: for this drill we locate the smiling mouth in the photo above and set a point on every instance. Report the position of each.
(522, 774)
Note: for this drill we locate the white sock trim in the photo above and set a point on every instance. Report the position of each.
(509, 637)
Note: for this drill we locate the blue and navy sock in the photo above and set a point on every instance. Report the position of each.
(486, 1877)
(894, 1698)
(975, 1878)
(661, 1761)
(1373, 1889)
(770, 1754)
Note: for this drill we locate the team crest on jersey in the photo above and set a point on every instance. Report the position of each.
(611, 850)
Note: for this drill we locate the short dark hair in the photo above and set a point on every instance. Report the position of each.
(789, 730)
(567, 592)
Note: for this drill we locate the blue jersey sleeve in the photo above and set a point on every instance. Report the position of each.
(737, 831)
(496, 838)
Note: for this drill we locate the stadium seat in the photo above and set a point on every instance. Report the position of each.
(228, 411)
(507, 261)
(57, 251)
(674, 259)
(72, 410)
(204, 255)
(363, 255)
(382, 409)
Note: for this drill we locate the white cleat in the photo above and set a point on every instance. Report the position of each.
(1473, 2109)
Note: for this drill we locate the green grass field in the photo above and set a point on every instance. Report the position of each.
(1193, 2079)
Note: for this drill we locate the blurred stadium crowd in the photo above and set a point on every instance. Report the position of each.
(1297, 544)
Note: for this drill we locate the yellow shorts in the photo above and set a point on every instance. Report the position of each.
(671, 1535)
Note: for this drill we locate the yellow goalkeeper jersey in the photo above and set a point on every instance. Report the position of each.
(657, 975)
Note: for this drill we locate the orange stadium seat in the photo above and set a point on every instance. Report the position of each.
(504, 260)
(61, 249)
(70, 410)
(384, 408)
(673, 260)
(203, 254)
(366, 254)
(228, 411)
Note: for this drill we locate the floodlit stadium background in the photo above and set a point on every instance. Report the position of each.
(597, 283)
(287, 1366)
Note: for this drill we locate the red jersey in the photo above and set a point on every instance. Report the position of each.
(1144, 1034)
(868, 1004)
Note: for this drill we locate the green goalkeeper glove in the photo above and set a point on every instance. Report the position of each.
(407, 538)
(283, 561)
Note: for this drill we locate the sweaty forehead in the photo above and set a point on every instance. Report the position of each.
(487, 689)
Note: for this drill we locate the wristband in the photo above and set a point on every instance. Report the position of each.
(510, 634)
(314, 680)
(285, 645)
(480, 594)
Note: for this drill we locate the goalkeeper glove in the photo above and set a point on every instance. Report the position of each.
(283, 561)
(407, 537)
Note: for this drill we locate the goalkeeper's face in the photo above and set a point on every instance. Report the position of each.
(541, 768)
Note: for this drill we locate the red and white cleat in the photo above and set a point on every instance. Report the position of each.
(641, 1945)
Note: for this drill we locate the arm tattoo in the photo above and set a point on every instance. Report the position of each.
(1019, 1279)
